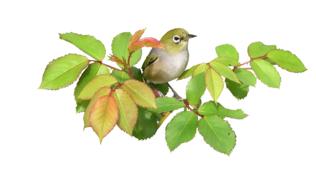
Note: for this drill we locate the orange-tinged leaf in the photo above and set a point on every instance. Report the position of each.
(102, 92)
(103, 116)
(117, 60)
(136, 36)
(127, 111)
(140, 93)
(145, 42)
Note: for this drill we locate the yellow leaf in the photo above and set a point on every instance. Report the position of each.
(127, 111)
(95, 84)
(214, 83)
(102, 92)
(103, 115)
(140, 93)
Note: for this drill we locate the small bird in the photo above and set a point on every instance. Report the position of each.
(168, 63)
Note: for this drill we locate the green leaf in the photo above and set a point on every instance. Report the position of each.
(163, 88)
(246, 77)
(147, 124)
(228, 51)
(165, 104)
(287, 60)
(266, 73)
(120, 48)
(201, 68)
(258, 49)
(120, 76)
(224, 71)
(240, 91)
(63, 71)
(137, 73)
(195, 89)
(208, 108)
(214, 83)
(187, 73)
(95, 84)
(93, 70)
(181, 129)
(127, 111)
(88, 44)
(217, 133)
(140, 93)
(235, 114)
(225, 61)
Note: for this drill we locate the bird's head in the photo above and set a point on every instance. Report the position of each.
(176, 40)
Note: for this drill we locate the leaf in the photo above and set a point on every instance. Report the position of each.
(93, 70)
(246, 77)
(217, 133)
(127, 111)
(137, 73)
(103, 116)
(187, 73)
(163, 88)
(235, 114)
(225, 61)
(181, 129)
(100, 93)
(120, 76)
(195, 89)
(120, 48)
(208, 108)
(258, 49)
(88, 44)
(165, 104)
(224, 71)
(136, 36)
(229, 51)
(240, 91)
(145, 42)
(95, 84)
(201, 68)
(214, 83)
(147, 124)
(63, 71)
(287, 60)
(140, 93)
(266, 73)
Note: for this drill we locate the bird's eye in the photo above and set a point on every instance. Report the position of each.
(176, 39)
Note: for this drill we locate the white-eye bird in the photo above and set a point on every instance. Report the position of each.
(168, 63)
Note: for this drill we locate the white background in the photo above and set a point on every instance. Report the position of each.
(43, 145)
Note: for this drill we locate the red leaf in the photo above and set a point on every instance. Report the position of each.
(145, 42)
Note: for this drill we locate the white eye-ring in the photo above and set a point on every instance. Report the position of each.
(176, 39)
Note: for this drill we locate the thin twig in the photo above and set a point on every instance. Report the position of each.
(111, 67)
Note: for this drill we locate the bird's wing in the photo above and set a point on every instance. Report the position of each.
(150, 59)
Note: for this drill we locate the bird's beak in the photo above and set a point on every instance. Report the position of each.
(191, 36)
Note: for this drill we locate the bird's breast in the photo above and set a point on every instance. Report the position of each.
(168, 67)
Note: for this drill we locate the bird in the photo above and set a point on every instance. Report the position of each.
(165, 64)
